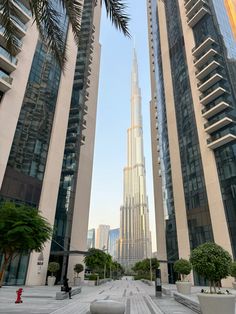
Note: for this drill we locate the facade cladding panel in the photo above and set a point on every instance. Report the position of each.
(74, 138)
(196, 201)
(221, 26)
(26, 165)
(163, 144)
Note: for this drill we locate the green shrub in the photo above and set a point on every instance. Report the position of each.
(92, 277)
(78, 268)
(212, 262)
(233, 270)
(53, 267)
(183, 267)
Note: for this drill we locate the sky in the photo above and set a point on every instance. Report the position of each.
(113, 117)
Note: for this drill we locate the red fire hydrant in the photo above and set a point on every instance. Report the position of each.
(18, 296)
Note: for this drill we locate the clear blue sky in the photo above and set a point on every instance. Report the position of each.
(113, 117)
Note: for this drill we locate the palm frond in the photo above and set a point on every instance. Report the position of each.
(50, 26)
(116, 12)
(73, 10)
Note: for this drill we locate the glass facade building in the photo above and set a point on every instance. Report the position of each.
(113, 237)
(195, 41)
(42, 129)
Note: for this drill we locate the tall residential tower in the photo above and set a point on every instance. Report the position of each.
(193, 115)
(47, 129)
(135, 241)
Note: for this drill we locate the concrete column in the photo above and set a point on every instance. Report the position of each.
(48, 199)
(84, 180)
(178, 191)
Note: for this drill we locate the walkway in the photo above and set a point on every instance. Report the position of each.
(139, 299)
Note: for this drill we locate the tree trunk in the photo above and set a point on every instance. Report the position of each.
(3, 268)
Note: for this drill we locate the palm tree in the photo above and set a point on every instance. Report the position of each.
(47, 17)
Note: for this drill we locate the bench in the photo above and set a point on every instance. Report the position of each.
(61, 295)
(107, 307)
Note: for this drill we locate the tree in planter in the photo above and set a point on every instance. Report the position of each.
(95, 260)
(212, 262)
(183, 267)
(22, 229)
(53, 268)
(78, 269)
(233, 273)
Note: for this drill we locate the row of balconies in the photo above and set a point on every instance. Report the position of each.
(213, 89)
(8, 62)
(195, 11)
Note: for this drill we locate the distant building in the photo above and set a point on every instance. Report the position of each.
(102, 237)
(112, 242)
(91, 238)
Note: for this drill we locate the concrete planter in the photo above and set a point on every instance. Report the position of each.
(183, 287)
(51, 281)
(234, 285)
(217, 303)
(77, 281)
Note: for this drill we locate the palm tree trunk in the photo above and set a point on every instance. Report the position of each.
(7, 258)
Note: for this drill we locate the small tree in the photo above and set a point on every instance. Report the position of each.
(53, 267)
(78, 269)
(212, 262)
(233, 270)
(22, 230)
(95, 260)
(183, 267)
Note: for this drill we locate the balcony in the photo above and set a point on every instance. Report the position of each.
(205, 45)
(17, 43)
(20, 27)
(207, 70)
(192, 10)
(5, 82)
(213, 95)
(7, 62)
(210, 82)
(23, 13)
(189, 4)
(217, 125)
(216, 143)
(84, 124)
(82, 140)
(205, 58)
(214, 110)
(198, 16)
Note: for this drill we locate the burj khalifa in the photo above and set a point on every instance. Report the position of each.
(135, 238)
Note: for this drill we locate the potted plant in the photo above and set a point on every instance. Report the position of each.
(183, 267)
(53, 267)
(233, 273)
(78, 268)
(213, 263)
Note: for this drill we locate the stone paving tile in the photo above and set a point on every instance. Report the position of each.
(139, 298)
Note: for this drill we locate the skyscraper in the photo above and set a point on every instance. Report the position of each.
(135, 242)
(102, 237)
(47, 126)
(91, 238)
(113, 238)
(193, 114)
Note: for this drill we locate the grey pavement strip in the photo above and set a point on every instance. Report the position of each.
(127, 307)
(101, 291)
(152, 306)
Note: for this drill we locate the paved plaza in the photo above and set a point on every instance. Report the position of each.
(138, 297)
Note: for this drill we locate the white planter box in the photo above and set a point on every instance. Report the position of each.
(217, 303)
(51, 281)
(183, 287)
(77, 281)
